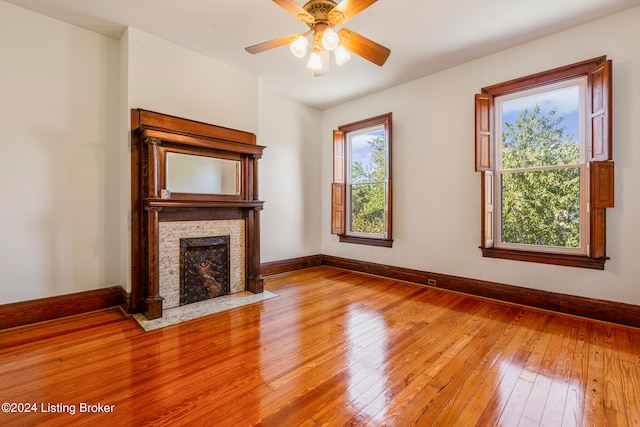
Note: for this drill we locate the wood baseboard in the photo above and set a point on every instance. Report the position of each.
(609, 311)
(26, 312)
(283, 266)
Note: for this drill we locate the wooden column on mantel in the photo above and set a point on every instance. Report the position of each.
(153, 135)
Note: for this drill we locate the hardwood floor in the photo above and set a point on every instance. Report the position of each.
(335, 348)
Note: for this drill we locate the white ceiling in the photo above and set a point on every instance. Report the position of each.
(424, 36)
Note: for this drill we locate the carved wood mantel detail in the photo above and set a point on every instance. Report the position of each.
(153, 136)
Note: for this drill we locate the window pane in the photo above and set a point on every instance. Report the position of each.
(367, 208)
(541, 208)
(367, 155)
(542, 129)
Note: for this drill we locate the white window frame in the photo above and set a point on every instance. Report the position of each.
(583, 249)
(349, 136)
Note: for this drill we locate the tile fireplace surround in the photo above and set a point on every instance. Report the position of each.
(169, 253)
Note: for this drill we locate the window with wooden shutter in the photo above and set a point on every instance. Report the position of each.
(361, 188)
(544, 190)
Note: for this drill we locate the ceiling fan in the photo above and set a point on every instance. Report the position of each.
(322, 16)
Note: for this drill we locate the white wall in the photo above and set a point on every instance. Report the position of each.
(58, 157)
(289, 178)
(169, 79)
(436, 191)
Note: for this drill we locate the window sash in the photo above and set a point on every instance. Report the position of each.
(580, 82)
(350, 227)
(582, 249)
(350, 184)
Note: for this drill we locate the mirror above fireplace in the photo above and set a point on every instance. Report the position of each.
(188, 173)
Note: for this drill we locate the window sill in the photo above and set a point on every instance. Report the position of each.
(386, 243)
(580, 261)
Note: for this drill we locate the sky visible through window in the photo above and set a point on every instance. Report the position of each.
(360, 148)
(565, 100)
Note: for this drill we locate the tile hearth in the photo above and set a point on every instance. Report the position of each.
(187, 312)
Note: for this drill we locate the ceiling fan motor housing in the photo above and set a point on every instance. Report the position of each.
(320, 9)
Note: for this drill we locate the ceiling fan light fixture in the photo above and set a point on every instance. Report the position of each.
(299, 46)
(330, 39)
(322, 16)
(342, 54)
(315, 61)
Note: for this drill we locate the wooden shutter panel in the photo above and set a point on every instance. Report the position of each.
(484, 132)
(600, 146)
(598, 232)
(338, 193)
(600, 198)
(601, 184)
(599, 103)
(337, 208)
(488, 219)
(338, 156)
(484, 163)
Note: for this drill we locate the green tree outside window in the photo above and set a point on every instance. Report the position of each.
(540, 206)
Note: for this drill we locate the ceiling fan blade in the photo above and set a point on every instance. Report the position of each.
(364, 47)
(296, 10)
(261, 47)
(347, 9)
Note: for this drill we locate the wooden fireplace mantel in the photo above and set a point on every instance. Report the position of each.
(153, 136)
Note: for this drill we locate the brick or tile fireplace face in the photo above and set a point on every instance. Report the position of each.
(171, 234)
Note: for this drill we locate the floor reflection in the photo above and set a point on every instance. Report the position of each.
(367, 334)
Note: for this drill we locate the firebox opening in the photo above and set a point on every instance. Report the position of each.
(204, 268)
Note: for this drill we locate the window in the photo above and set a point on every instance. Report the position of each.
(543, 145)
(361, 190)
(541, 150)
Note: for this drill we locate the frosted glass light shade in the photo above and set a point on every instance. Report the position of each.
(315, 62)
(330, 39)
(299, 46)
(342, 55)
